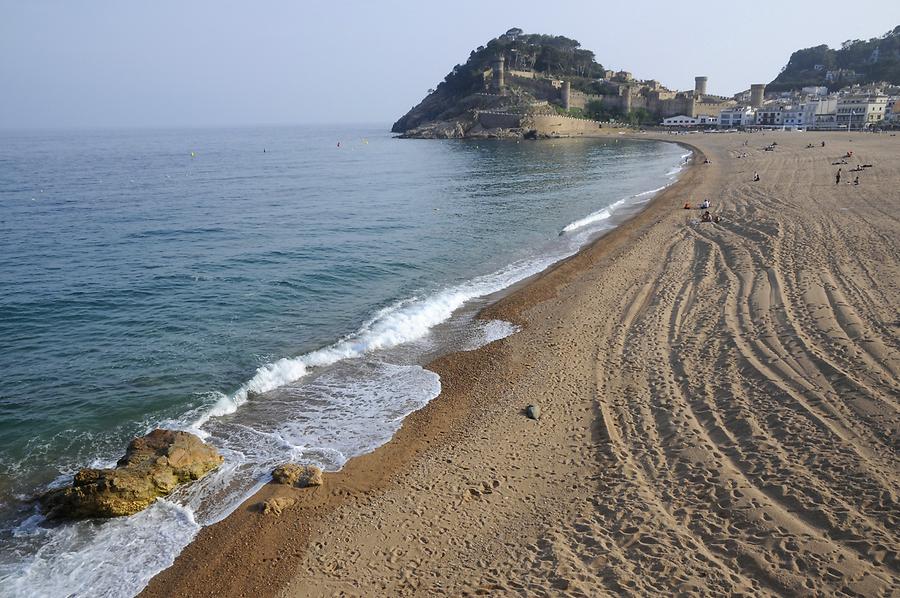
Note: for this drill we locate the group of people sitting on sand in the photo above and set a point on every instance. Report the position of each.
(704, 205)
(707, 217)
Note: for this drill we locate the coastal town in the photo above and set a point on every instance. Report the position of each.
(852, 108)
(534, 86)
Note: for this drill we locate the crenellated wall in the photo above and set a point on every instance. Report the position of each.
(563, 126)
(543, 125)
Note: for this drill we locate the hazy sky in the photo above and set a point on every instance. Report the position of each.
(205, 62)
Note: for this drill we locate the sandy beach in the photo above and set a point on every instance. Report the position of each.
(720, 414)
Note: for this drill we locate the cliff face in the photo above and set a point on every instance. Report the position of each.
(435, 104)
(441, 106)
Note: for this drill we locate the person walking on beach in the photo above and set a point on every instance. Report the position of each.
(837, 177)
(755, 177)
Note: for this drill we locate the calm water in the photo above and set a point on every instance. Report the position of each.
(141, 285)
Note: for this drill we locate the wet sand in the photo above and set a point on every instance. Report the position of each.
(720, 415)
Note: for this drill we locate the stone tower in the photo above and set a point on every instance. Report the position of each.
(700, 86)
(566, 95)
(498, 80)
(757, 94)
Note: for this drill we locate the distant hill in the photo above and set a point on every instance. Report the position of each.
(546, 54)
(857, 61)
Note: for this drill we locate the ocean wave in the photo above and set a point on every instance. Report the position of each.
(402, 322)
(607, 212)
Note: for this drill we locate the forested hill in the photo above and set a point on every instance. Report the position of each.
(550, 54)
(856, 61)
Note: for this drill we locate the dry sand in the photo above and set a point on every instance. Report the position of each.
(720, 415)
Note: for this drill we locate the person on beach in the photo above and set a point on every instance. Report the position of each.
(705, 205)
(755, 177)
(687, 205)
(837, 177)
(856, 181)
(823, 144)
(707, 217)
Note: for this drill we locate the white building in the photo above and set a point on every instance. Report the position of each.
(860, 111)
(681, 121)
(820, 113)
(793, 117)
(741, 116)
(770, 117)
(701, 120)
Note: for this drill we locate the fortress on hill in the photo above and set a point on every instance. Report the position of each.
(524, 85)
(628, 94)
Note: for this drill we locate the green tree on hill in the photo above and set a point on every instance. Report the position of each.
(877, 59)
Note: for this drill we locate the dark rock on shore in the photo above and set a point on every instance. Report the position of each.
(153, 466)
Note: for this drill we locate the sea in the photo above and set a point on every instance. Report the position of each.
(275, 290)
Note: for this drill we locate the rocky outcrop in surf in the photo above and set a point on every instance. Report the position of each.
(153, 466)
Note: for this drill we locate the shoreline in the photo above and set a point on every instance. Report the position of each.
(718, 415)
(359, 474)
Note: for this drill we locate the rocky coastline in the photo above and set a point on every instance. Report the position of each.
(153, 466)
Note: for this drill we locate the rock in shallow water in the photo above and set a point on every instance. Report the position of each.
(153, 466)
(300, 476)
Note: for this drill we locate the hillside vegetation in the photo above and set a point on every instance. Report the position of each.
(548, 54)
(877, 59)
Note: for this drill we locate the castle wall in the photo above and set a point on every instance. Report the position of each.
(711, 108)
(563, 126)
(521, 74)
(542, 89)
(673, 107)
(579, 99)
(499, 120)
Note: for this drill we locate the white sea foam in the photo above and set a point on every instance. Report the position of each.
(494, 330)
(400, 323)
(684, 160)
(338, 412)
(120, 555)
(607, 212)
